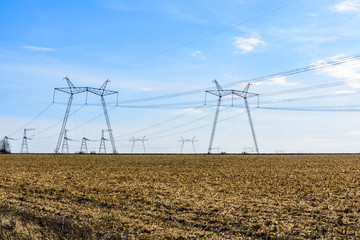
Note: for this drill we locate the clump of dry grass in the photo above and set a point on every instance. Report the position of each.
(182, 196)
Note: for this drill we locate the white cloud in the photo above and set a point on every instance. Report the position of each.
(190, 111)
(349, 72)
(278, 81)
(38, 49)
(347, 6)
(246, 45)
(281, 80)
(357, 132)
(344, 92)
(198, 54)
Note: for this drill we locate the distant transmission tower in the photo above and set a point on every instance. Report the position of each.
(102, 142)
(65, 145)
(84, 148)
(134, 140)
(192, 140)
(221, 93)
(76, 90)
(24, 145)
(218, 148)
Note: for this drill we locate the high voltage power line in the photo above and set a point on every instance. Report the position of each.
(258, 79)
(308, 68)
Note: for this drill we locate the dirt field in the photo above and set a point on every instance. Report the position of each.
(179, 196)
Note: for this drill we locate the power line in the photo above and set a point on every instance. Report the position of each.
(159, 124)
(57, 123)
(311, 109)
(32, 120)
(313, 97)
(275, 50)
(196, 128)
(312, 67)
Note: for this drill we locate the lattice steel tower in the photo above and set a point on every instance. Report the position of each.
(24, 145)
(84, 145)
(192, 141)
(65, 145)
(221, 93)
(102, 141)
(134, 140)
(72, 90)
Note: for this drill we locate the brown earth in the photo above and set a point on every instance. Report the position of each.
(179, 196)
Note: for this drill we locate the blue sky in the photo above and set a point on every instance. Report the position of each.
(155, 48)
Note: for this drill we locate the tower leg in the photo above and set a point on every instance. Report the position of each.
(144, 146)
(108, 124)
(102, 142)
(251, 125)
(86, 148)
(214, 125)
(64, 124)
(82, 145)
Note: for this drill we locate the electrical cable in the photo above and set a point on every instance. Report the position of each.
(59, 121)
(196, 128)
(312, 97)
(32, 120)
(281, 48)
(159, 124)
(181, 125)
(310, 109)
(312, 67)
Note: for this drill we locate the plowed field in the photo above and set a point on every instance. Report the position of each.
(179, 196)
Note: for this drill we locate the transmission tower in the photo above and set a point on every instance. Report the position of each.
(218, 148)
(192, 140)
(72, 90)
(24, 145)
(65, 145)
(221, 93)
(84, 145)
(248, 149)
(134, 140)
(102, 141)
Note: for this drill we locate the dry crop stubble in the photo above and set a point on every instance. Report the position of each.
(179, 196)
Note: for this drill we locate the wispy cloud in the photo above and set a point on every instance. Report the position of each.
(38, 49)
(344, 92)
(347, 6)
(278, 81)
(282, 81)
(356, 132)
(349, 72)
(198, 54)
(245, 45)
(310, 35)
(190, 111)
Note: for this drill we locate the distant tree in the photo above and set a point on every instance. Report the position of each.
(5, 146)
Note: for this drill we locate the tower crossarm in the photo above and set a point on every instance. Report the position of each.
(220, 93)
(244, 94)
(96, 91)
(101, 92)
(72, 90)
